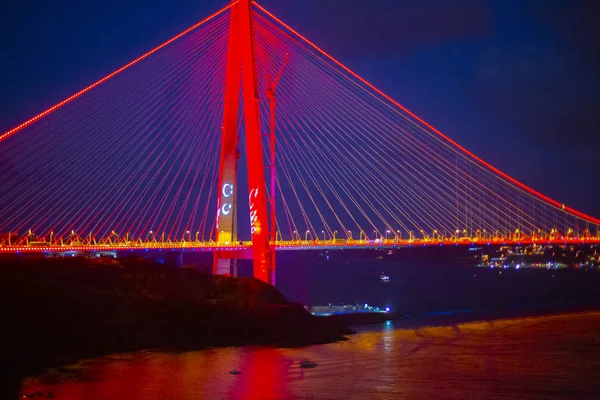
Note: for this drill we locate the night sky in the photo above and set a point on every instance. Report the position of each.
(516, 82)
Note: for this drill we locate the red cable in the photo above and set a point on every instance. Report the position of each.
(107, 77)
(367, 83)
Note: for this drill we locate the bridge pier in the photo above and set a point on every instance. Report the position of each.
(226, 266)
(226, 261)
(240, 77)
(175, 259)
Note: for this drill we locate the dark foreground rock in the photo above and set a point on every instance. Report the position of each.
(362, 318)
(56, 312)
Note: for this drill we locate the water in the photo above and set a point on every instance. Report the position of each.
(551, 357)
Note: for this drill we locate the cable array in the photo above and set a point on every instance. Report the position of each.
(137, 156)
(353, 162)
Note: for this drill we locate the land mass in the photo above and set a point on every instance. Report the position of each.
(57, 311)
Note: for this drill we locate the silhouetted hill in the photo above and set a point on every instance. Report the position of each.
(57, 311)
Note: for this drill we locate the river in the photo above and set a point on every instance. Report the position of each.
(548, 357)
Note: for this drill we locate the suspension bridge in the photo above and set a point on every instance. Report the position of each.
(241, 115)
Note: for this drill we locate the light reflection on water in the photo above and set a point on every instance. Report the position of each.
(527, 358)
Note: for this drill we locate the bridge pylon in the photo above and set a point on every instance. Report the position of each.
(241, 77)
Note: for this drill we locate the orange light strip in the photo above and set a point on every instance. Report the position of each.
(107, 77)
(385, 96)
(313, 245)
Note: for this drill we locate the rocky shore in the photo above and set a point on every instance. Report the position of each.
(58, 311)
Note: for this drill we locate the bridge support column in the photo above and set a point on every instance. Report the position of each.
(241, 56)
(175, 259)
(225, 266)
(226, 229)
(222, 266)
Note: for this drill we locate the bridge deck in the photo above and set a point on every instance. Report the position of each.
(291, 245)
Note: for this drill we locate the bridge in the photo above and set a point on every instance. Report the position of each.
(153, 155)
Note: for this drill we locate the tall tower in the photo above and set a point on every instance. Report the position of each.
(241, 74)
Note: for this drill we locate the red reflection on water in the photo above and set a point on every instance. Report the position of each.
(131, 377)
(514, 358)
(264, 376)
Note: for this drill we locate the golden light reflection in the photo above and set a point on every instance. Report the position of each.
(515, 357)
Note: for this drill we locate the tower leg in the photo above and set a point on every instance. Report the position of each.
(241, 55)
(222, 266)
(225, 229)
(259, 225)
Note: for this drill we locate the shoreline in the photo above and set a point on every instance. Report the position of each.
(456, 317)
(519, 352)
(416, 323)
(62, 311)
(421, 321)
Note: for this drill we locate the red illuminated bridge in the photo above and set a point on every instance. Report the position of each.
(239, 137)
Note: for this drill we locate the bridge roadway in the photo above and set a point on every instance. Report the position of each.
(339, 244)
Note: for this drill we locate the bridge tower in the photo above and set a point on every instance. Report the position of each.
(241, 77)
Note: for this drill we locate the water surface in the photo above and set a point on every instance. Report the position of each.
(551, 357)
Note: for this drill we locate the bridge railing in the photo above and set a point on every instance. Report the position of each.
(14, 243)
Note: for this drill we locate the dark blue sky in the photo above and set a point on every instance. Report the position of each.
(516, 82)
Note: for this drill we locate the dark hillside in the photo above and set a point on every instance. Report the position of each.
(56, 311)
